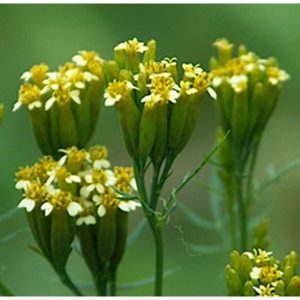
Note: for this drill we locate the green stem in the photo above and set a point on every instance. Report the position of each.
(232, 217)
(101, 285)
(159, 254)
(112, 284)
(155, 226)
(66, 280)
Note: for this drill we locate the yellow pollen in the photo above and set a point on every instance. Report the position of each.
(38, 73)
(61, 199)
(124, 175)
(99, 176)
(116, 88)
(98, 152)
(29, 93)
(36, 191)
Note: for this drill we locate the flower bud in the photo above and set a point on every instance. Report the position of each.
(248, 289)
(150, 53)
(280, 288)
(293, 288)
(291, 260)
(111, 70)
(235, 259)
(234, 286)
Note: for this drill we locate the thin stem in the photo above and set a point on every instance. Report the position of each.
(112, 283)
(159, 254)
(66, 280)
(101, 285)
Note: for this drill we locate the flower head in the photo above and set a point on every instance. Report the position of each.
(132, 46)
(29, 96)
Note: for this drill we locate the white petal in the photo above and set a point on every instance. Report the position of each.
(255, 273)
(22, 184)
(79, 60)
(89, 76)
(124, 206)
(47, 207)
(121, 46)
(75, 178)
(17, 105)
(74, 208)
(133, 184)
(45, 89)
(62, 160)
(26, 76)
(101, 164)
(88, 178)
(100, 188)
(146, 98)
(35, 104)
(133, 204)
(97, 199)
(49, 103)
(101, 211)
(28, 204)
(212, 93)
(110, 101)
(80, 85)
(75, 96)
(88, 220)
(84, 192)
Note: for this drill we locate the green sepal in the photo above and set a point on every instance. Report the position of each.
(293, 288)
(95, 92)
(147, 132)
(43, 229)
(280, 288)
(62, 236)
(129, 116)
(88, 244)
(178, 117)
(193, 111)
(288, 274)
(82, 117)
(54, 130)
(160, 143)
(121, 238)
(67, 126)
(150, 53)
(132, 61)
(248, 289)
(234, 286)
(41, 129)
(142, 88)
(106, 235)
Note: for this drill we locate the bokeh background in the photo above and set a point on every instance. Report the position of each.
(52, 34)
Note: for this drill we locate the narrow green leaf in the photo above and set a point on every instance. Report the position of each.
(146, 281)
(206, 249)
(136, 233)
(195, 219)
(10, 236)
(291, 166)
(125, 196)
(7, 215)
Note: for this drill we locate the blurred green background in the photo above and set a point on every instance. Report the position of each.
(52, 34)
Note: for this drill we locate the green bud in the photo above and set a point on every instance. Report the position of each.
(234, 286)
(280, 288)
(119, 57)
(121, 238)
(61, 237)
(148, 129)
(54, 130)
(161, 136)
(213, 62)
(245, 267)
(260, 235)
(132, 61)
(111, 70)
(240, 117)
(242, 50)
(1, 112)
(293, 288)
(224, 49)
(150, 53)
(235, 259)
(106, 235)
(142, 88)
(88, 245)
(288, 273)
(248, 289)
(125, 75)
(291, 260)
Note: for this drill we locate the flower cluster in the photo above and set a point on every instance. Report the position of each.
(247, 87)
(80, 182)
(157, 111)
(258, 273)
(78, 195)
(63, 105)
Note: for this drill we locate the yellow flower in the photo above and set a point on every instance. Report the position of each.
(29, 95)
